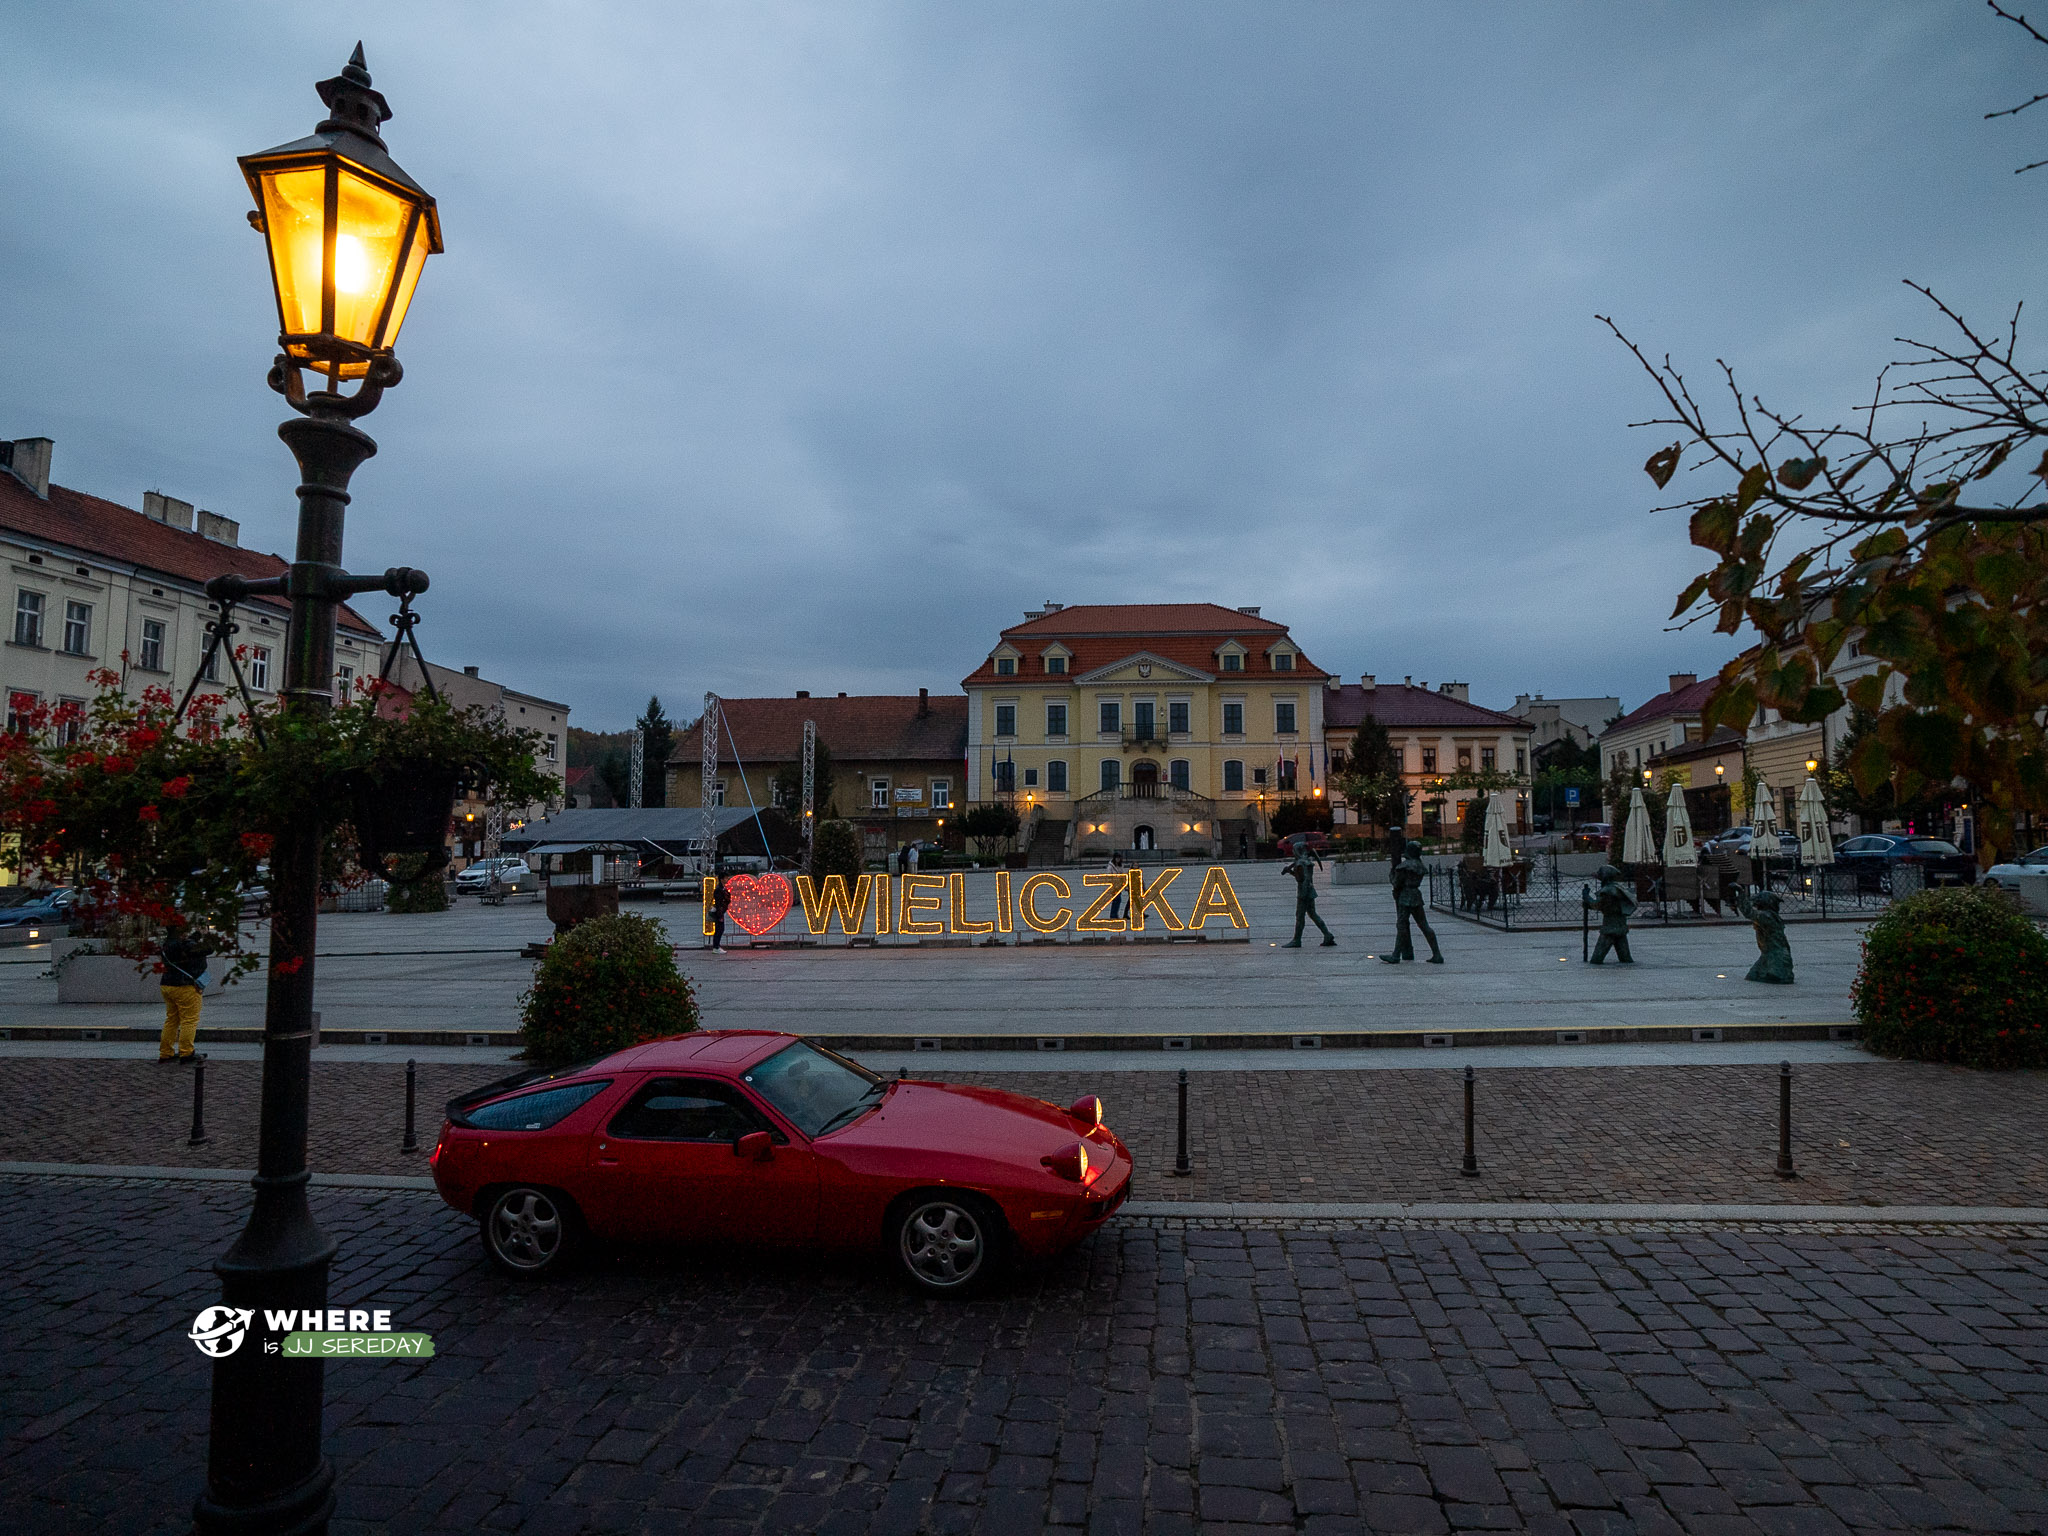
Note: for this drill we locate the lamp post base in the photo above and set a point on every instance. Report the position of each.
(301, 1511)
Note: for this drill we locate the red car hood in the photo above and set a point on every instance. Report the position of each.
(957, 1118)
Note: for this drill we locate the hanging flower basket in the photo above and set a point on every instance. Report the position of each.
(404, 807)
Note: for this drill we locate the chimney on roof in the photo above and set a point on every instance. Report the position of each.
(1053, 607)
(1252, 612)
(168, 510)
(1367, 681)
(29, 459)
(1459, 691)
(842, 693)
(803, 693)
(1683, 680)
(222, 530)
(470, 672)
(924, 702)
(1408, 682)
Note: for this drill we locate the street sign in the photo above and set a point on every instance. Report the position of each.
(1571, 794)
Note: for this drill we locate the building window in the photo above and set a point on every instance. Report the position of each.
(1283, 717)
(1287, 773)
(1110, 715)
(878, 795)
(1006, 666)
(1006, 720)
(259, 668)
(1056, 665)
(1429, 759)
(1232, 662)
(70, 720)
(1112, 773)
(1258, 778)
(1486, 759)
(152, 645)
(1055, 719)
(942, 794)
(1233, 777)
(19, 707)
(1521, 760)
(1233, 719)
(1056, 777)
(77, 628)
(345, 684)
(1031, 778)
(211, 670)
(1283, 661)
(1006, 775)
(1177, 773)
(28, 617)
(718, 792)
(553, 747)
(1146, 721)
(1177, 717)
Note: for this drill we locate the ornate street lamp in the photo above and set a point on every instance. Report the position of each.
(347, 233)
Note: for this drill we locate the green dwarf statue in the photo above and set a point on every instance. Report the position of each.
(1774, 954)
(1614, 902)
(1303, 868)
(1409, 906)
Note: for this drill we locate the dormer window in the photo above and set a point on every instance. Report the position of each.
(1232, 662)
(1283, 661)
(1056, 665)
(1006, 666)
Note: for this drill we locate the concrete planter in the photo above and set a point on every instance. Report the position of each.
(108, 979)
(1362, 872)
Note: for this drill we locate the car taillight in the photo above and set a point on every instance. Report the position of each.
(434, 1157)
(1073, 1161)
(1088, 1111)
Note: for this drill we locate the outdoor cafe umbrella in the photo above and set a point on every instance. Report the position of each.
(1680, 851)
(1499, 851)
(1815, 846)
(1763, 811)
(1638, 845)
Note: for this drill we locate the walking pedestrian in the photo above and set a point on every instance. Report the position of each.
(183, 959)
(721, 898)
(1116, 865)
(910, 858)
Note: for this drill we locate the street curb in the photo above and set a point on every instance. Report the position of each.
(1247, 1210)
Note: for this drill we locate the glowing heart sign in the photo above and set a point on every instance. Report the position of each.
(759, 902)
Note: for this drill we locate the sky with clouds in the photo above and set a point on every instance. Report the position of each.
(787, 346)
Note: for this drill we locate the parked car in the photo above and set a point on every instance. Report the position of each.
(2006, 876)
(1743, 840)
(478, 875)
(751, 1137)
(1877, 856)
(23, 906)
(1316, 842)
(1594, 836)
(255, 900)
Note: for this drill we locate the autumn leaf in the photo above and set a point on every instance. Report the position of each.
(1713, 527)
(1663, 464)
(1754, 479)
(1797, 474)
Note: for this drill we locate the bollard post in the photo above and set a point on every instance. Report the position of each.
(1785, 1168)
(1181, 1166)
(902, 1074)
(198, 1136)
(1585, 925)
(1471, 1168)
(411, 1142)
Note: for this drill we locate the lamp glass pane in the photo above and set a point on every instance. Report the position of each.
(369, 228)
(408, 279)
(294, 206)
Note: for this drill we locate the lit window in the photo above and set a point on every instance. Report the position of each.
(1177, 717)
(1233, 777)
(152, 645)
(1006, 666)
(77, 628)
(1283, 661)
(1112, 773)
(1177, 773)
(1232, 662)
(1233, 719)
(1283, 716)
(1055, 719)
(259, 668)
(1057, 665)
(878, 794)
(942, 794)
(1111, 715)
(1006, 720)
(1056, 777)
(28, 617)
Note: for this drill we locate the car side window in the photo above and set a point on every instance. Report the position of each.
(1859, 845)
(535, 1111)
(686, 1109)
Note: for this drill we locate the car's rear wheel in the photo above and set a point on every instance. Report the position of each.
(529, 1231)
(946, 1243)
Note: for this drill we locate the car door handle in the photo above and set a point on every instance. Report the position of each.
(607, 1162)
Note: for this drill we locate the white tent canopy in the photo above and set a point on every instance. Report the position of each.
(1499, 851)
(1679, 849)
(1638, 844)
(1815, 845)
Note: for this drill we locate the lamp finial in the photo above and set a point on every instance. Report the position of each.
(351, 103)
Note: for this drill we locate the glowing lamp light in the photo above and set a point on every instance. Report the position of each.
(347, 231)
(1646, 775)
(1813, 765)
(1719, 770)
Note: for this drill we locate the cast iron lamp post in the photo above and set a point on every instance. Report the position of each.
(348, 233)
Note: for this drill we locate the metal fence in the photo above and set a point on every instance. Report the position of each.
(1536, 895)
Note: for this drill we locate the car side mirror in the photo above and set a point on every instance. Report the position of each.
(758, 1145)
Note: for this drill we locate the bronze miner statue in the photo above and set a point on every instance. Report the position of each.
(1409, 907)
(1614, 902)
(1303, 867)
(1774, 957)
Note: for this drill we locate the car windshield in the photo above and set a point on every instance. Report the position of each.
(1934, 845)
(817, 1090)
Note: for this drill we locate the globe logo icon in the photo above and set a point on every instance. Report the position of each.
(218, 1331)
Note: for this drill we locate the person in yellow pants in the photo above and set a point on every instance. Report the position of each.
(184, 970)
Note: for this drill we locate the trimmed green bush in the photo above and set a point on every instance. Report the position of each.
(414, 887)
(607, 983)
(836, 850)
(1955, 975)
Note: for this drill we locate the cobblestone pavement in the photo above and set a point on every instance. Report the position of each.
(1867, 1133)
(1153, 1380)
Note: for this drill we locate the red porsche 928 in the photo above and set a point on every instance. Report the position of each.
(748, 1137)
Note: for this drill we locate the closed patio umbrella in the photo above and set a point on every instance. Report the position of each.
(1638, 845)
(1680, 852)
(1763, 811)
(1500, 852)
(1815, 845)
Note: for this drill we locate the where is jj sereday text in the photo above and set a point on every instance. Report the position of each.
(937, 904)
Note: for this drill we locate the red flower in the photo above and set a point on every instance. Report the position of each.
(177, 788)
(257, 843)
(148, 813)
(289, 967)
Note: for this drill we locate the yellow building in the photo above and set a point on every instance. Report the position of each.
(1144, 726)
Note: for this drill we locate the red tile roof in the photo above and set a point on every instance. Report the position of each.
(1402, 706)
(867, 728)
(1675, 702)
(73, 520)
(1100, 634)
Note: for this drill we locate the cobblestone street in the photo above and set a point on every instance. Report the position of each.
(1154, 1380)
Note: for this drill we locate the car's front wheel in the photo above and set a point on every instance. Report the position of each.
(944, 1243)
(529, 1231)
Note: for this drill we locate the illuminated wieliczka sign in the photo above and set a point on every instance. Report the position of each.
(936, 905)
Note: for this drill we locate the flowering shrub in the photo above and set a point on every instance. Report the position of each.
(1955, 975)
(607, 983)
(151, 817)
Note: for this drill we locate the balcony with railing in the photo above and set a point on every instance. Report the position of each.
(1154, 790)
